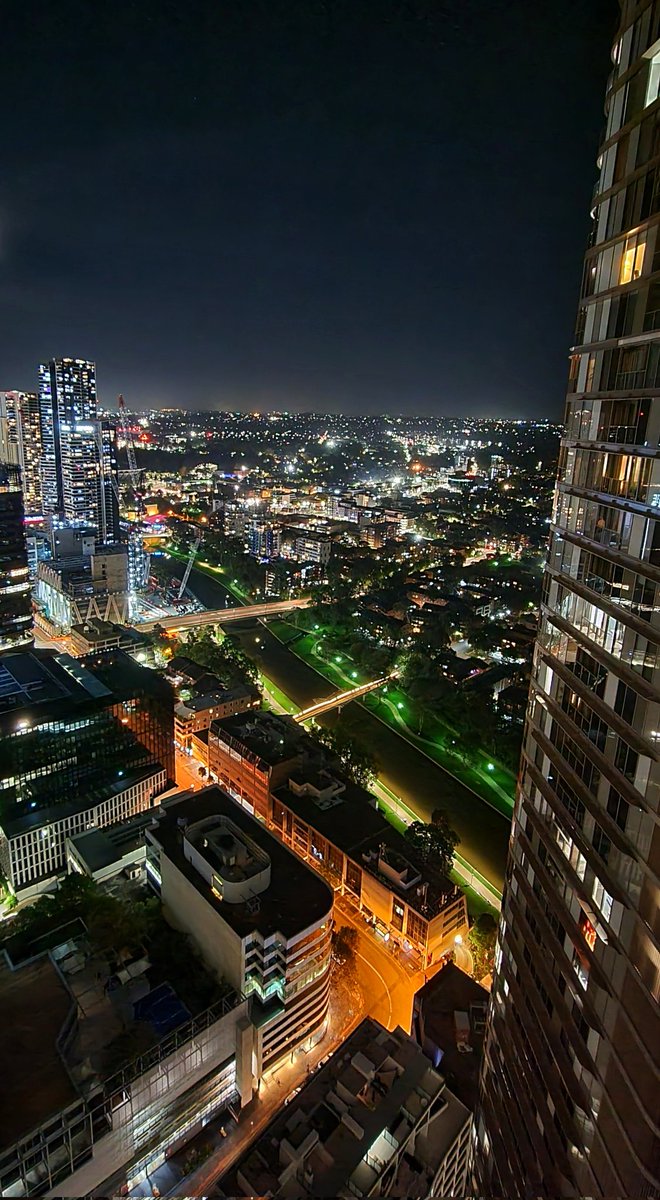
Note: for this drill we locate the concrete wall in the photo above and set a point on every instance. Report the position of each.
(187, 909)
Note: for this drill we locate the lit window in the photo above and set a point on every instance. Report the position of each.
(602, 899)
(632, 260)
(653, 82)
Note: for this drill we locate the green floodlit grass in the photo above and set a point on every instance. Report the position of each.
(497, 786)
(286, 702)
(218, 573)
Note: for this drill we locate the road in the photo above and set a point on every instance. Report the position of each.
(388, 987)
(213, 616)
(187, 773)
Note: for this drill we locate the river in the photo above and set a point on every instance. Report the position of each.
(421, 783)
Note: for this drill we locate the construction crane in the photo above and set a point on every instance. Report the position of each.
(189, 565)
(127, 434)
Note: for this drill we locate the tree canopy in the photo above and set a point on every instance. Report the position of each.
(434, 842)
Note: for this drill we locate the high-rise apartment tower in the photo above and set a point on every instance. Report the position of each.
(569, 1099)
(20, 442)
(67, 395)
(15, 601)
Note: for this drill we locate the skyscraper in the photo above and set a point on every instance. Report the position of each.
(88, 464)
(67, 394)
(15, 601)
(569, 1096)
(20, 442)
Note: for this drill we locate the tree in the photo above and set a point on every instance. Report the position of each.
(344, 946)
(482, 938)
(357, 761)
(435, 843)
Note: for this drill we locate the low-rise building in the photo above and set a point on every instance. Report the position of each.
(260, 917)
(251, 755)
(449, 1022)
(376, 1120)
(100, 854)
(338, 828)
(192, 716)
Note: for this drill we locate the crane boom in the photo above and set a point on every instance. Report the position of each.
(189, 565)
(127, 435)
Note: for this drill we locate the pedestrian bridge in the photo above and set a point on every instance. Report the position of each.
(340, 698)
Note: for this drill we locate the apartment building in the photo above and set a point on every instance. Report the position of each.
(251, 755)
(198, 713)
(260, 917)
(569, 1101)
(376, 1120)
(337, 827)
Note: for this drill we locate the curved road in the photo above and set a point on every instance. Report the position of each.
(422, 784)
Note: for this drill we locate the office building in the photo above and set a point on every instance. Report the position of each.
(569, 1100)
(88, 462)
(78, 588)
(376, 1120)
(67, 395)
(260, 917)
(20, 443)
(15, 601)
(83, 744)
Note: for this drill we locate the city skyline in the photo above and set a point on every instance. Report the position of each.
(332, 255)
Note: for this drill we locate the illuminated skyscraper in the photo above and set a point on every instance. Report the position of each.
(569, 1097)
(88, 464)
(67, 395)
(20, 442)
(15, 601)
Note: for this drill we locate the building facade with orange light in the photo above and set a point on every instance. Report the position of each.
(337, 827)
(249, 755)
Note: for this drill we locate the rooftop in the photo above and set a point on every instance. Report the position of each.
(99, 848)
(273, 739)
(40, 682)
(434, 1025)
(198, 704)
(349, 817)
(349, 1121)
(296, 896)
(34, 1003)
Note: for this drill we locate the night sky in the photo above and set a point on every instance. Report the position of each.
(315, 204)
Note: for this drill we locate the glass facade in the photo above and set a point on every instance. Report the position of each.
(20, 442)
(91, 743)
(89, 476)
(15, 602)
(569, 1097)
(67, 393)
